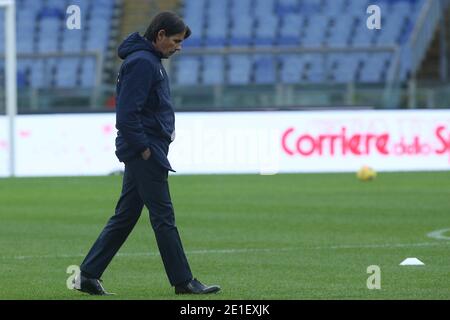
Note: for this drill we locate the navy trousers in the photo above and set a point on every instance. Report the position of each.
(144, 183)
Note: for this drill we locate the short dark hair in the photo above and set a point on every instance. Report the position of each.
(168, 21)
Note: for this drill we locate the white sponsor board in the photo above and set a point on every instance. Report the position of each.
(60, 145)
(243, 142)
(4, 147)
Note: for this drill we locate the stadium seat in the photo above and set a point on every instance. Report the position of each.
(240, 7)
(195, 21)
(217, 31)
(97, 39)
(362, 35)
(346, 67)
(391, 30)
(26, 16)
(88, 72)
(291, 68)
(2, 43)
(287, 6)
(188, 70)
(194, 6)
(49, 34)
(266, 30)
(2, 73)
(21, 79)
(51, 12)
(316, 31)
(291, 29)
(262, 9)
(239, 71)
(67, 72)
(310, 7)
(265, 69)
(358, 8)
(23, 70)
(40, 75)
(340, 32)
(85, 5)
(50, 69)
(374, 68)
(59, 5)
(101, 12)
(72, 41)
(242, 30)
(314, 68)
(213, 70)
(335, 7)
(26, 46)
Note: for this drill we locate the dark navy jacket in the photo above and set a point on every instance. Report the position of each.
(144, 113)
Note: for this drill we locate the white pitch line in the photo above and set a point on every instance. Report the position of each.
(387, 245)
(233, 251)
(149, 254)
(438, 234)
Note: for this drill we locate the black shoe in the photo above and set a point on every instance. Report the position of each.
(195, 287)
(89, 285)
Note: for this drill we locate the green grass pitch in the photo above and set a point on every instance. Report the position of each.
(282, 237)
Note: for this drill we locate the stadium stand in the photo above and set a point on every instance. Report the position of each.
(221, 24)
(250, 42)
(56, 56)
(293, 23)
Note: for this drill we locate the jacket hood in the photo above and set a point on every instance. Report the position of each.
(135, 42)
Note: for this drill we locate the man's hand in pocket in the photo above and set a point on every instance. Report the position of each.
(146, 154)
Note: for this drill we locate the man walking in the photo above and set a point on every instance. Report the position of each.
(145, 121)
